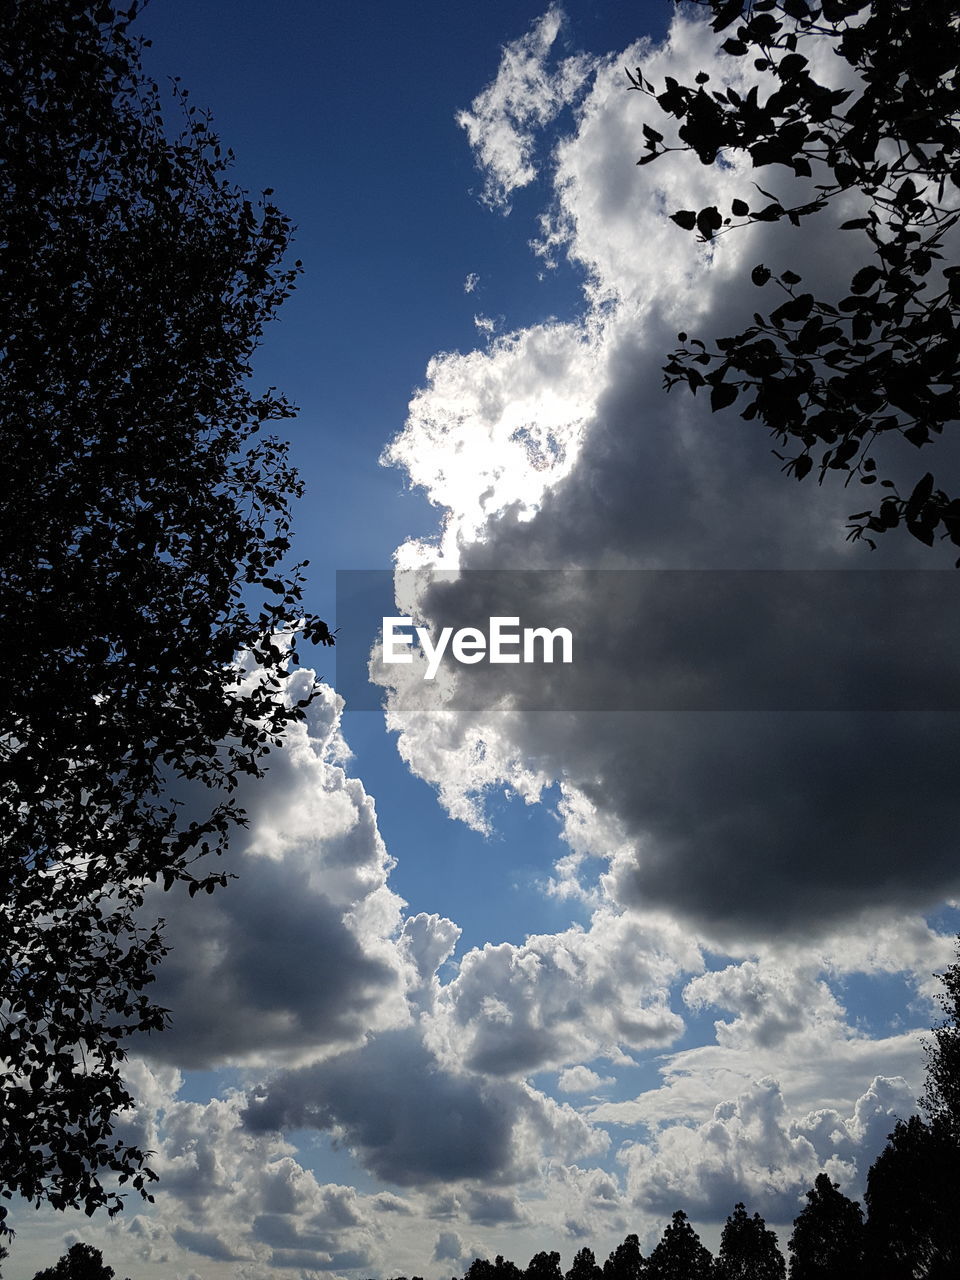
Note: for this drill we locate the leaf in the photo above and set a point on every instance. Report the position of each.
(865, 279)
(685, 218)
(768, 214)
(709, 220)
(740, 208)
(721, 395)
(760, 275)
(922, 491)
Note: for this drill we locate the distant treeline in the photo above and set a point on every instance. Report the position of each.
(911, 1230)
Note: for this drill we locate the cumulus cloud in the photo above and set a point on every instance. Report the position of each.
(771, 1004)
(581, 1080)
(297, 954)
(415, 1122)
(563, 998)
(226, 1193)
(448, 1246)
(526, 95)
(557, 448)
(752, 1150)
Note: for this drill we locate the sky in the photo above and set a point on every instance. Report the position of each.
(494, 978)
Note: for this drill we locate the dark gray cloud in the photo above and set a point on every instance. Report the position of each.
(414, 1122)
(295, 952)
(207, 1243)
(410, 1121)
(286, 969)
(489, 1207)
(747, 824)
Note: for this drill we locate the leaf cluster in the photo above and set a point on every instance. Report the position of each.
(836, 377)
(143, 508)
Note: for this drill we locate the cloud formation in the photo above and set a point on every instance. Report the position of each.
(526, 95)
(732, 869)
(749, 825)
(414, 1122)
(299, 948)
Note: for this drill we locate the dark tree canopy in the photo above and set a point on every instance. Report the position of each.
(913, 1190)
(80, 1262)
(679, 1255)
(836, 379)
(941, 1099)
(544, 1266)
(748, 1249)
(913, 1187)
(500, 1269)
(827, 1238)
(625, 1262)
(584, 1266)
(142, 513)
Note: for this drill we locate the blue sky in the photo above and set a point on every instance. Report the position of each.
(349, 115)
(496, 983)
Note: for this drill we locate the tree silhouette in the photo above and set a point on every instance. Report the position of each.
(913, 1190)
(679, 1255)
(748, 1249)
(828, 1239)
(80, 1262)
(500, 1269)
(544, 1266)
(625, 1262)
(144, 521)
(584, 1267)
(837, 379)
(913, 1187)
(941, 1099)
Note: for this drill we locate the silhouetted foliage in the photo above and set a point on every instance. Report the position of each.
(584, 1267)
(913, 1192)
(828, 1237)
(544, 1266)
(835, 378)
(626, 1261)
(499, 1269)
(748, 1250)
(141, 512)
(679, 1255)
(941, 1098)
(80, 1262)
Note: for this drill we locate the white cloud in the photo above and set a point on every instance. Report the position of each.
(448, 1246)
(525, 96)
(582, 1080)
(563, 999)
(771, 1003)
(790, 844)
